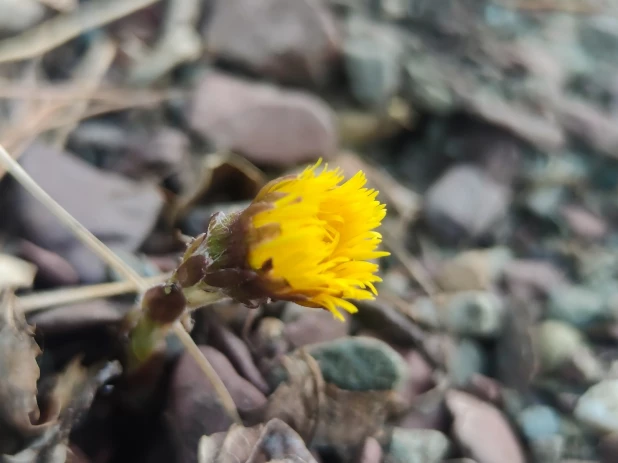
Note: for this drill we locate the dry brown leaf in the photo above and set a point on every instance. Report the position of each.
(70, 395)
(15, 273)
(322, 413)
(218, 171)
(28, 431)
(272, 442)
(19, 372)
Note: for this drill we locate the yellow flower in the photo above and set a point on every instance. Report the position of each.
(313, 240)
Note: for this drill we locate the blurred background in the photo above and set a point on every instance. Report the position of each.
(490, 128)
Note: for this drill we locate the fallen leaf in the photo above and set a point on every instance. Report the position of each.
(273, 442)
(69, 396)
(322, 413)
(217, 173)
(19, 373)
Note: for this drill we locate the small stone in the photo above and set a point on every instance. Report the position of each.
(598, 407)
(192, 397)
(577, 305)
(52, 269)
(545, 201)
(396, 281)
(432, 415)
(291, 40)
(164, 152)
(416, 446)
(599, 36)
(424, 311)
(371, 452)
(608, 448)
(473, 270)
(486, 388)
(539, 422)
(539, 275)
(312, 327)
(579, 444)
(371, 56)
(556, 342)
(17, 15)
(548, 450)
(118, 211)
(482, 430)
(560, 347)
(583, 223)
(456, 216)
(426, 87)
(467, 360)
(267, 125)
(474, 313)
(420, 376)
(360, 364)
(236, 350)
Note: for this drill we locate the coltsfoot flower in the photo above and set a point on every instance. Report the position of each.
(309, 238)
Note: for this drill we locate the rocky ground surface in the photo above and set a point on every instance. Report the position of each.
(490, 129)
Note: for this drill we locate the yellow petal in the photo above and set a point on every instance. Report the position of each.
(326, 237)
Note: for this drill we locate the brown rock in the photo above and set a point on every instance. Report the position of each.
(160, 153)
(118, 211)
(583, 223)
(223, 339)
(371, 452)
(475, 269)
(538, 275)
(608, 448)
(52, 269)
(465, 203)
(420, 377)
(482, 430)
(430, 415)
(312, 327)
(267, 125)
(292, 40)
(194, 410)
(83, 316)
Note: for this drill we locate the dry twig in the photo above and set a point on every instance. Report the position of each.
(68, 296)
(412, 266)
(64, 27)
(92, 68)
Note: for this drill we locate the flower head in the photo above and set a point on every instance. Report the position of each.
(308, 238)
